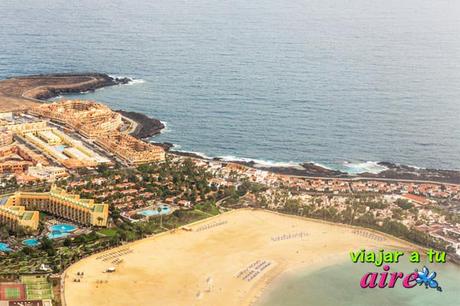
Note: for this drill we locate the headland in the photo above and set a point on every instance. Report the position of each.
(230, 257)
(146, 126)
(23, 92)
(18, 93)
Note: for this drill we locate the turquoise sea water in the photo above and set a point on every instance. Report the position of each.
(338, 285)
(327, 81)
(302, 80)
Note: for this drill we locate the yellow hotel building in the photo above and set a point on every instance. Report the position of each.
(21, 208)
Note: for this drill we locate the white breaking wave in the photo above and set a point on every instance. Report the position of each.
(260, 163)
(59, 97)
(166, 129)
(348, 167)
(132, 80)
(361, 167)
(321, 165)
(136, 81)
(201, 154)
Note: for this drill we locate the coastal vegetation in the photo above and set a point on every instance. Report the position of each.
(181, 179)
(58, 255)
(357, 212)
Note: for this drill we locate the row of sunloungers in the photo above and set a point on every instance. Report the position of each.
(115, 254)
(369, 235)
(117, 261)
(208, 226)
(290, 236)
(253, 270)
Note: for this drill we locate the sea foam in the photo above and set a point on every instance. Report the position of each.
(361, 167)
(260, 163)
(132, 80)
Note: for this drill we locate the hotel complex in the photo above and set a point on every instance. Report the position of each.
(88, 118)
(67, 151)
(97, 121)
(18, 158)
(6, 137)
(22, 208)
(49, 141)
(131, 150)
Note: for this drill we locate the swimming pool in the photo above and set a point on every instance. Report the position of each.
(57, 235)
(4, 247)
(153, 212)
(63, 228)
(60, 148)
(32, 242)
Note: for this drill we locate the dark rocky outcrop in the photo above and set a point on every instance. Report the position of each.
(396, 171)
(146, 126)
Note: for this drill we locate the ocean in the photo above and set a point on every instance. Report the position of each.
(343, 83)
(338, 285)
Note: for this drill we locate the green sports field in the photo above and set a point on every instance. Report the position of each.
(12, 293)
(37, 287)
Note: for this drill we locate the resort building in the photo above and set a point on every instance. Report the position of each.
(88, 118)
(417, 200)
(131, 150)
(17, 216)
(18, 158)
(50, 141)
(21, 208)
(6, 137)
(21, 127)
(96, 121)
(6, 117)
(46, 173)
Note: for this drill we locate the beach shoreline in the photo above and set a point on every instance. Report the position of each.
(229, 248)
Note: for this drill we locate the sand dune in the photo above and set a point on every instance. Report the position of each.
(229, 261)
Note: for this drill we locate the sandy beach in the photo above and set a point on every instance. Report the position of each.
(225, 260)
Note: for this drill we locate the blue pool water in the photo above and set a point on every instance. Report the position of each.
(4, 247)
(63, 228)
(60, 148)
(57, 235)
(153, 212)
(32, 242)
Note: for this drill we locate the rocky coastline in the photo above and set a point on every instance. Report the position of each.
(403, 172)
(393, 171)
(23, 92)
(146, 126)
(73, 83)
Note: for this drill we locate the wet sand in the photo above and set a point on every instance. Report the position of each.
(225, 260)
